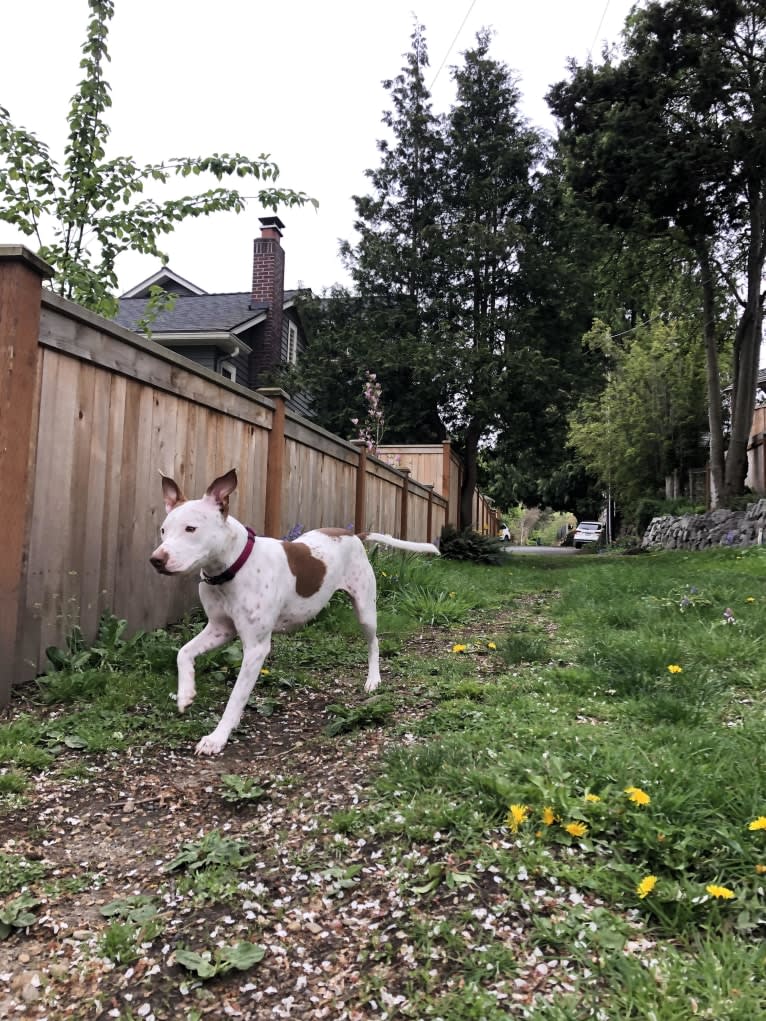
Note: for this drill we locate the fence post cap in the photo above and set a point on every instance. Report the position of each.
(274, 393)
(20, 253)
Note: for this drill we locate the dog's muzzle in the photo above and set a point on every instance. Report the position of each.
(160, 564)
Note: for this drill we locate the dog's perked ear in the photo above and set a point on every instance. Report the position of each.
(171, 491)
(220, 490)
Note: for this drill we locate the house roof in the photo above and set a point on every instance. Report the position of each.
(200, 313)
(168, 279)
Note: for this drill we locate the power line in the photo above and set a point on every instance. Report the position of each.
(604, 14)
(449, 49)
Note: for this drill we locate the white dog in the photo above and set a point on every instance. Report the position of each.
(253, 586)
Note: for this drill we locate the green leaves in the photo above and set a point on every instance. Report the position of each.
(240, 788)
(212, 850)
(92, 203)
(224, 959)
(17, 914)
(369, 713)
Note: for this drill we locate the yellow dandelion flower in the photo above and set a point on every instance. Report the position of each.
(592, 797)
(459, 648)
(265, 671)
(576, 829)
(517, 814)
(721, 892)
(548, 817)
(750, 599)
(452, 594)
(758, 824)
(760, 869)
(637, 796)
(491, 645)
(674, 668)
(646, 886)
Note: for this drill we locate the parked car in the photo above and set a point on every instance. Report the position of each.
(588, 532)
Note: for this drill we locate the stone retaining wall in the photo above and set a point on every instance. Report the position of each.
(716, 528)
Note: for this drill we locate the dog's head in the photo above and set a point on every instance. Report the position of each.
(194, 532)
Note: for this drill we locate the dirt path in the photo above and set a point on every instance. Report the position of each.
(321, 902)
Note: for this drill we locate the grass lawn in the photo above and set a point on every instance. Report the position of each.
(553, 808)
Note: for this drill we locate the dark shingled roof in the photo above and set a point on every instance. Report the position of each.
(197, 313)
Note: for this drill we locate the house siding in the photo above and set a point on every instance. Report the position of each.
(204, 356)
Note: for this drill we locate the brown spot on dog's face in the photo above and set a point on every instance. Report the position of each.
(309, 570)
(335, 533)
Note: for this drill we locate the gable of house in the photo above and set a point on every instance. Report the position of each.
(241, 335)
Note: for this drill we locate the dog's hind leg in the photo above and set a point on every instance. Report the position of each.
(363, 598)
(213, 635)
(252, 661)
(368, 621)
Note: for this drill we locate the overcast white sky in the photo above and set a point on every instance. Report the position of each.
(297, 79)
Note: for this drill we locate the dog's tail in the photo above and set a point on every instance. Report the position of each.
(388, 540)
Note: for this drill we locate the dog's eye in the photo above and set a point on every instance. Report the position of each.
(191, 528)
(162, 531)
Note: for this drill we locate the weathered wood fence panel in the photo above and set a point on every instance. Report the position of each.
(90, 414)
(436, 464)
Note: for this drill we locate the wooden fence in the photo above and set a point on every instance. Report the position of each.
(90, 413)
(439, 465)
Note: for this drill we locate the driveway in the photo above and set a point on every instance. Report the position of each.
(555, 550)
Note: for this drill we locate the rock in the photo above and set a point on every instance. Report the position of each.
(720, 527)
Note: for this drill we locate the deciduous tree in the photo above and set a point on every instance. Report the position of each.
(668, 139)
(86, 210)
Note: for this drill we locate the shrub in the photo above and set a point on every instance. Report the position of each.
(470, 545)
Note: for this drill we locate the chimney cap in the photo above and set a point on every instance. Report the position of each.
(272, 223)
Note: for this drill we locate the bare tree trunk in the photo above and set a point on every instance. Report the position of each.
(715, 417)
(747, 350)
(470, 457)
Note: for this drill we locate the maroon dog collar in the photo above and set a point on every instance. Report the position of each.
(241, 560)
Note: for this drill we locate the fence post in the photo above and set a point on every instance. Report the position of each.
(21, 276)
(447, 482)
(275, 463)
(429, 513)
(405, 495)
(361, 486)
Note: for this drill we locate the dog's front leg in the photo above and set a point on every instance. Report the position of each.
(252, 661)
(212, 636)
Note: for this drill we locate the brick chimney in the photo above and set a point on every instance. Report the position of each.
(268, 290)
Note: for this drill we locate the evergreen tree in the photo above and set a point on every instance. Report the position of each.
(490, 156)
(395, 264)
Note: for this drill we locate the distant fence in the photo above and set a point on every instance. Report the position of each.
(438, 465)
(89, 413)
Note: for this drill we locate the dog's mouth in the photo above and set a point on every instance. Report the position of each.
(160, 567)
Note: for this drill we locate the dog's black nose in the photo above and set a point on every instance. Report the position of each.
(158, 563)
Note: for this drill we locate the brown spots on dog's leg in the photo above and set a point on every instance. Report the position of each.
(309, 570)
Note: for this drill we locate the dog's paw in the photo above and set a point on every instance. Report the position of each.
(185, 699)
(210, 745)
(371, 685)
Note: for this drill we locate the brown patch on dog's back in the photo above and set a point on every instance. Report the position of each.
(335, 533)
(309, 570)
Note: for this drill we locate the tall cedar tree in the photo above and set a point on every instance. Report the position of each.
(396, 263)
(489, 160)
(670, 141)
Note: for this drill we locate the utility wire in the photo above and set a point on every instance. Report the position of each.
(449, 50)
(603, 15)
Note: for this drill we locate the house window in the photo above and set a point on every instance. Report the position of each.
(229, 370)
(292, 343)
